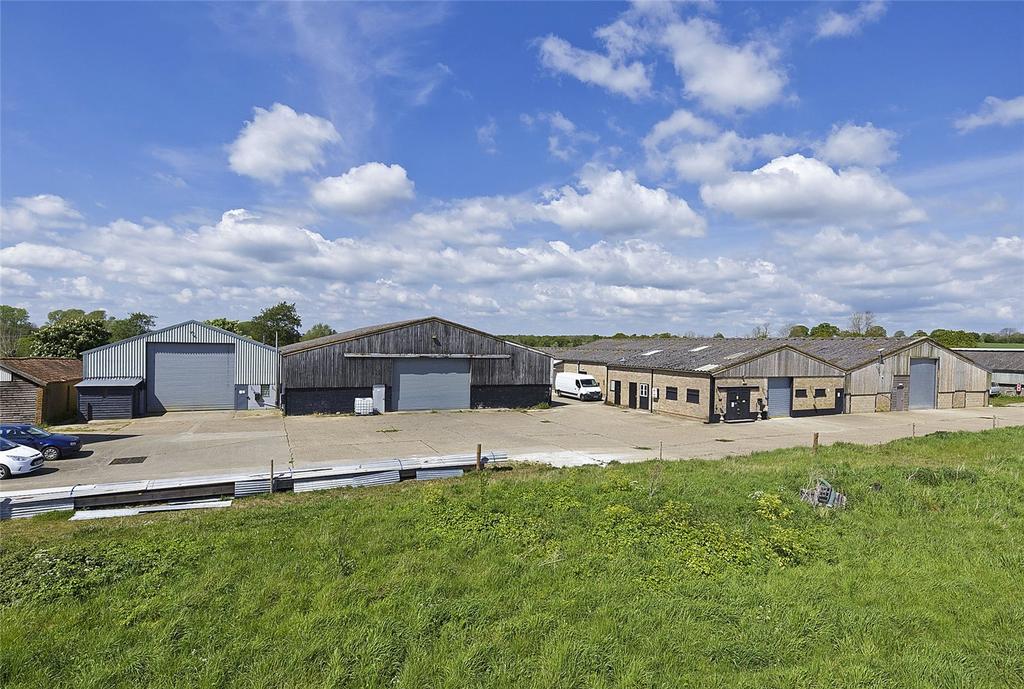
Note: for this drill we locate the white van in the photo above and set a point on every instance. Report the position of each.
(579, 385)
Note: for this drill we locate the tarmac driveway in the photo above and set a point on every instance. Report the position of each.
(210, 443)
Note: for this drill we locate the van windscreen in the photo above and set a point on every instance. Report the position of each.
(589, 383)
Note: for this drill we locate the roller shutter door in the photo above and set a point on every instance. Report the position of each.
(780, 397)
(922, 383)
(431, 384)
(190, 376)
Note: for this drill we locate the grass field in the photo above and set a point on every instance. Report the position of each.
(1005, 400)
(702, 573)
(999, 345)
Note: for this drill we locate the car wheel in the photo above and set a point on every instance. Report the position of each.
(51, 453)
(4, 471)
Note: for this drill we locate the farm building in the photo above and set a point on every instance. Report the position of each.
(184, 367)
(1006, 365)
(427, 363)
(38, 390)
(732, 379)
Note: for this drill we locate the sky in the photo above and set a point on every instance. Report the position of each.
(521, 167)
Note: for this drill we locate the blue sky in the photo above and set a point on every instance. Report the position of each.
(528, 167)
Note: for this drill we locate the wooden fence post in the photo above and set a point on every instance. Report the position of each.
(814, 444)
(271, 474)
(479, 459)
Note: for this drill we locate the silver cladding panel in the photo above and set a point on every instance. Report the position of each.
(253, 487)
(255, 363)
(431, 474)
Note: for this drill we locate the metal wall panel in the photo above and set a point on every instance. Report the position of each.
(190, 376)
(780, 397)
(255, 363)
(431, 384)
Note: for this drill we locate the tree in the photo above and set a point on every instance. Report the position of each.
(281, 321)
(860, 322)
(920, 333)
(954, 338)
(135, 324)
(799, 331)
(760, 331)
(14, 325)
(874, 331)
(226, 324)
(318, 330)
(69, 338)
(61, 315)
(899, 333)
(824, 330)
(719, 336)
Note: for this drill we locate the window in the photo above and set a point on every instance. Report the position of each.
(692, 396)
(264, 391)
(645, 390)
(819, 392)
(671, 393)
(801, 392)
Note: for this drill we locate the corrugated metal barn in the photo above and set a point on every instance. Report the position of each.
(737, 379)
(185, 367)
(38, 389)
(1006, 365)
(427, 363)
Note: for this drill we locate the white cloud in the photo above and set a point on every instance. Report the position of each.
(471, 221)
(279, 141)
(712, 160)
(834, 24)
(613, 202)
(852, 144)
(679, 122)
(368, 188)
(29, 255)
(485, 136)
(993, 111)
(564, 136)
(796, 188)
(630, 80)
(721, 76)
(29, 214)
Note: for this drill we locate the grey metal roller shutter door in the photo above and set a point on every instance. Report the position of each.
(431, 384)
(922, 383)
(780, 397)
(190, 376)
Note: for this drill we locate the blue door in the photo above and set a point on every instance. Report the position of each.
(922, 383)
(780, 397)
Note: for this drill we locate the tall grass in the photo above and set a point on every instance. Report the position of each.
(664, 574)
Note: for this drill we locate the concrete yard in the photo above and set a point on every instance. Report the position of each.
(572, 433)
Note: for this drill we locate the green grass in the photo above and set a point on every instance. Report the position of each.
(998, 345)
(674, 574)
(1005, 400)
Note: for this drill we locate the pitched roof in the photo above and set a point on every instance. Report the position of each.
(191, 321)
(713, 353)
(43, 370)
(996, 359)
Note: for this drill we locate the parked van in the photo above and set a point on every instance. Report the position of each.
(578, 385)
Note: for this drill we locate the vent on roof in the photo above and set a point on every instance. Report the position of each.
(733, 356)
(653, 351)
(706, 367)
(697, 349)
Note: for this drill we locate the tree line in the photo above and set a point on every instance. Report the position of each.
(69, 332)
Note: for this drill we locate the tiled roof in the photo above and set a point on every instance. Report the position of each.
(43, 370)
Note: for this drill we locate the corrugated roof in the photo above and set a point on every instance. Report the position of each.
(996, 359)
(109, 382)
(710, 353)
(43, 370)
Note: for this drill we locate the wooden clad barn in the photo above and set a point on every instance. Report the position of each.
(427, 363)
(38, 390)
(736, 378)
(1006, 365)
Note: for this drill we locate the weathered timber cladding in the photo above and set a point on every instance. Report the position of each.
(782, 363)
(18, 401)
(60, 401)
(328, 367)
(869, 387)
(508, 396)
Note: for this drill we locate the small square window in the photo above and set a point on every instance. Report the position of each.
(671, 393)
(801, 392)
(692, 396)
(819, 392)
(645, 390)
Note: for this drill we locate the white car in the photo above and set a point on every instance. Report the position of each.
(17, 459)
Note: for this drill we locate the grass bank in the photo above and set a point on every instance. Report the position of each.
(703, 573)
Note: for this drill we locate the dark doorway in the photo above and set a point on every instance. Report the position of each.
(840, 402)
(617, 393)
(737, 404)
(645, 397)
(899, 393)
(632, 395)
